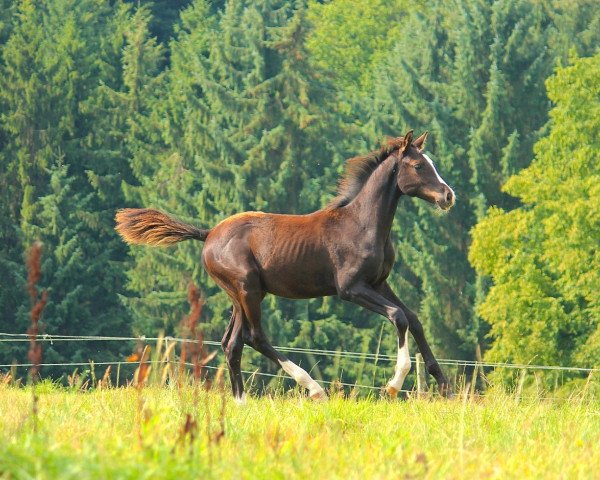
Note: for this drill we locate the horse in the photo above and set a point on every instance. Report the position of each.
(343, 249)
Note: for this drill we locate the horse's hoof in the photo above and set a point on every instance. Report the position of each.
(391, 391)
(240, 400)
(319, 396)
(446, 391)
(448, 394)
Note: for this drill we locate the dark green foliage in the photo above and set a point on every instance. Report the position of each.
(63, 182)
(206, 109)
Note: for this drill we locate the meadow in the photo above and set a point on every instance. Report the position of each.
(142, 433)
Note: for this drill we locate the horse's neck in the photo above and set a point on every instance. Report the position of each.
(375, 205)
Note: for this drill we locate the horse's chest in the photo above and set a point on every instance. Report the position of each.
(376, 262)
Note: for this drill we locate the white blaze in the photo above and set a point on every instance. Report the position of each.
(435, 170)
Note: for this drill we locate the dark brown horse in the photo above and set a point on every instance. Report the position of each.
(344, 249)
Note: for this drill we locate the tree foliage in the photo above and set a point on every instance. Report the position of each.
(543, 257)
(209, 108)
(62, 182)
(351, 37)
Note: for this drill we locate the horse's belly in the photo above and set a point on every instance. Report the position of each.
(301, 280)
(302, 291)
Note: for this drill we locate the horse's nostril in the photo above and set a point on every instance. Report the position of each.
(449, 196)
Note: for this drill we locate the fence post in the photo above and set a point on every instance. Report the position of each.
(479, 359)
(521, 383)
(421, 379)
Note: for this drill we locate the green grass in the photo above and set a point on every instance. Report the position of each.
(94, 434)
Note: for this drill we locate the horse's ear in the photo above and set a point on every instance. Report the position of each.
(420, 142)
(407, 141)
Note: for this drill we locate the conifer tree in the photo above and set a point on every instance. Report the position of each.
(59, 56)
(7, 8)
(238, 105)
(12, 293)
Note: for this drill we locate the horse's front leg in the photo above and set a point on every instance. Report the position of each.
(368, 297)
(416, 329)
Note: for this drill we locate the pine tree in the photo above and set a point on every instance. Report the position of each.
(59, 57)
(12, 292)
(162, 173)
(7, 8)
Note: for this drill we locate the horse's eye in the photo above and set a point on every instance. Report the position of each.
(418, 166)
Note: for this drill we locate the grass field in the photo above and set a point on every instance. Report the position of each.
(122, 433)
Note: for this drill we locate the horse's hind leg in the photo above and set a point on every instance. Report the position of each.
(250, 299)
(233, 344)
(227, 334)
(259, 342)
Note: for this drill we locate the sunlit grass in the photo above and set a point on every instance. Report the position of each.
(93, 435)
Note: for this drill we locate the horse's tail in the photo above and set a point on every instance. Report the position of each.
(143, 226)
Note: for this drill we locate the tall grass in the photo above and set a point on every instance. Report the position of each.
(93, 435)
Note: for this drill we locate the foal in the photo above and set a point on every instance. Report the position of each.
(344, 249)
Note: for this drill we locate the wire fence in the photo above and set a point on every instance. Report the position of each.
(23, 337)
(285, 377)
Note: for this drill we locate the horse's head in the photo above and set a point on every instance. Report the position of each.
(417, 176)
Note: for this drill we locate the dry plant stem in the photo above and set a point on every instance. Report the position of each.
(105, 382)
(38, 302)
(167, 372)
(208, 432)
(182, 360)
(140, 406)
(141, 375)
(194, 348)
(461, 432)
(221, 384)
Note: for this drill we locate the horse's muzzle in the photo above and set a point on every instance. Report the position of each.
(446, 198)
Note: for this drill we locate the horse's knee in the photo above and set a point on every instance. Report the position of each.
(258, 340)
(346, 293)
(398, 318)
(233, 350)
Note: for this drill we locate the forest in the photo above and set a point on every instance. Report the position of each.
(204, 109)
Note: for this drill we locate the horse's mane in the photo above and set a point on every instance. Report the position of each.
(359, 169)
